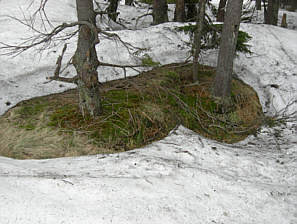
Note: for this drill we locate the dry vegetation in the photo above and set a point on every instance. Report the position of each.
(137, 111)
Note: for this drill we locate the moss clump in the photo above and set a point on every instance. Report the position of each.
(136, 111)
(148, 61)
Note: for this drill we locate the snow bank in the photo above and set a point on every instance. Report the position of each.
(182, 179)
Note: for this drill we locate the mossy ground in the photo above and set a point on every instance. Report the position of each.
(136, 111)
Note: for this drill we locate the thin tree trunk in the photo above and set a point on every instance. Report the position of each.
(284, 21)
(160, 9)
(258, 4)
(223, 78)
(271, 15)
(85, 61)
(221, 11)
(179, 14)
(197, 38)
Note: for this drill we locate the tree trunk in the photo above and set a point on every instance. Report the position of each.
(223, 78)
(258, 4)
(160, 8)
(197, 38)
(85, 61)
(271, 15)
(179, 14)
(112, 9)
(221, 11)
(128, 2)
(191, 10)
(284, 21)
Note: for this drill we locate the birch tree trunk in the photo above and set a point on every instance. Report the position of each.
(85, 61)
(223, 78)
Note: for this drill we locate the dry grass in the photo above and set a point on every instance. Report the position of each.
(137, 111)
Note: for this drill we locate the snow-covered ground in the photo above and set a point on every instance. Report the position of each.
(184, 178)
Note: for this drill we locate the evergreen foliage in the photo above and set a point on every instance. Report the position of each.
(212, 36)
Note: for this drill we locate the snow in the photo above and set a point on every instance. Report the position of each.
(183, 178)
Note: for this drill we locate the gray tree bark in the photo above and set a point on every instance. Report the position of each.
(85, 61)
(221, 11)
(180, 11)
(222, 83)
(160, 9)
(271, 14)
(197, 38)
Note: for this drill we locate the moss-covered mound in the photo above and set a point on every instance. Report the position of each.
(137, 111)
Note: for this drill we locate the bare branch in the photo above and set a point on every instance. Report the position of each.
(121, 66)
(64, 79)
(59, 62)
(138, 18)
(46, 38)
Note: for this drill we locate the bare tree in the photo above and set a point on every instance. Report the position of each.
(197, 38)
(221, 10)
(223, 78)
(160, 9)
(85, 59)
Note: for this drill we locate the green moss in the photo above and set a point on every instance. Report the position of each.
(144, 112)
(148, 61)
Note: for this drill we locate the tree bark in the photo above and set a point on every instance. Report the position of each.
(221, 11)
(271, 14)
(160, 9)
(223, 78)
(179, 14)
(284, 21)
(197, 38)
(85, 61)
(112, 9)
(258, 4)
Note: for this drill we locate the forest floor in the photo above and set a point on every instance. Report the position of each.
(136, 111)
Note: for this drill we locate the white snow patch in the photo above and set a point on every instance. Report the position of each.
(183, 178)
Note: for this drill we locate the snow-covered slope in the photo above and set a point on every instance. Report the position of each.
(182, 179)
